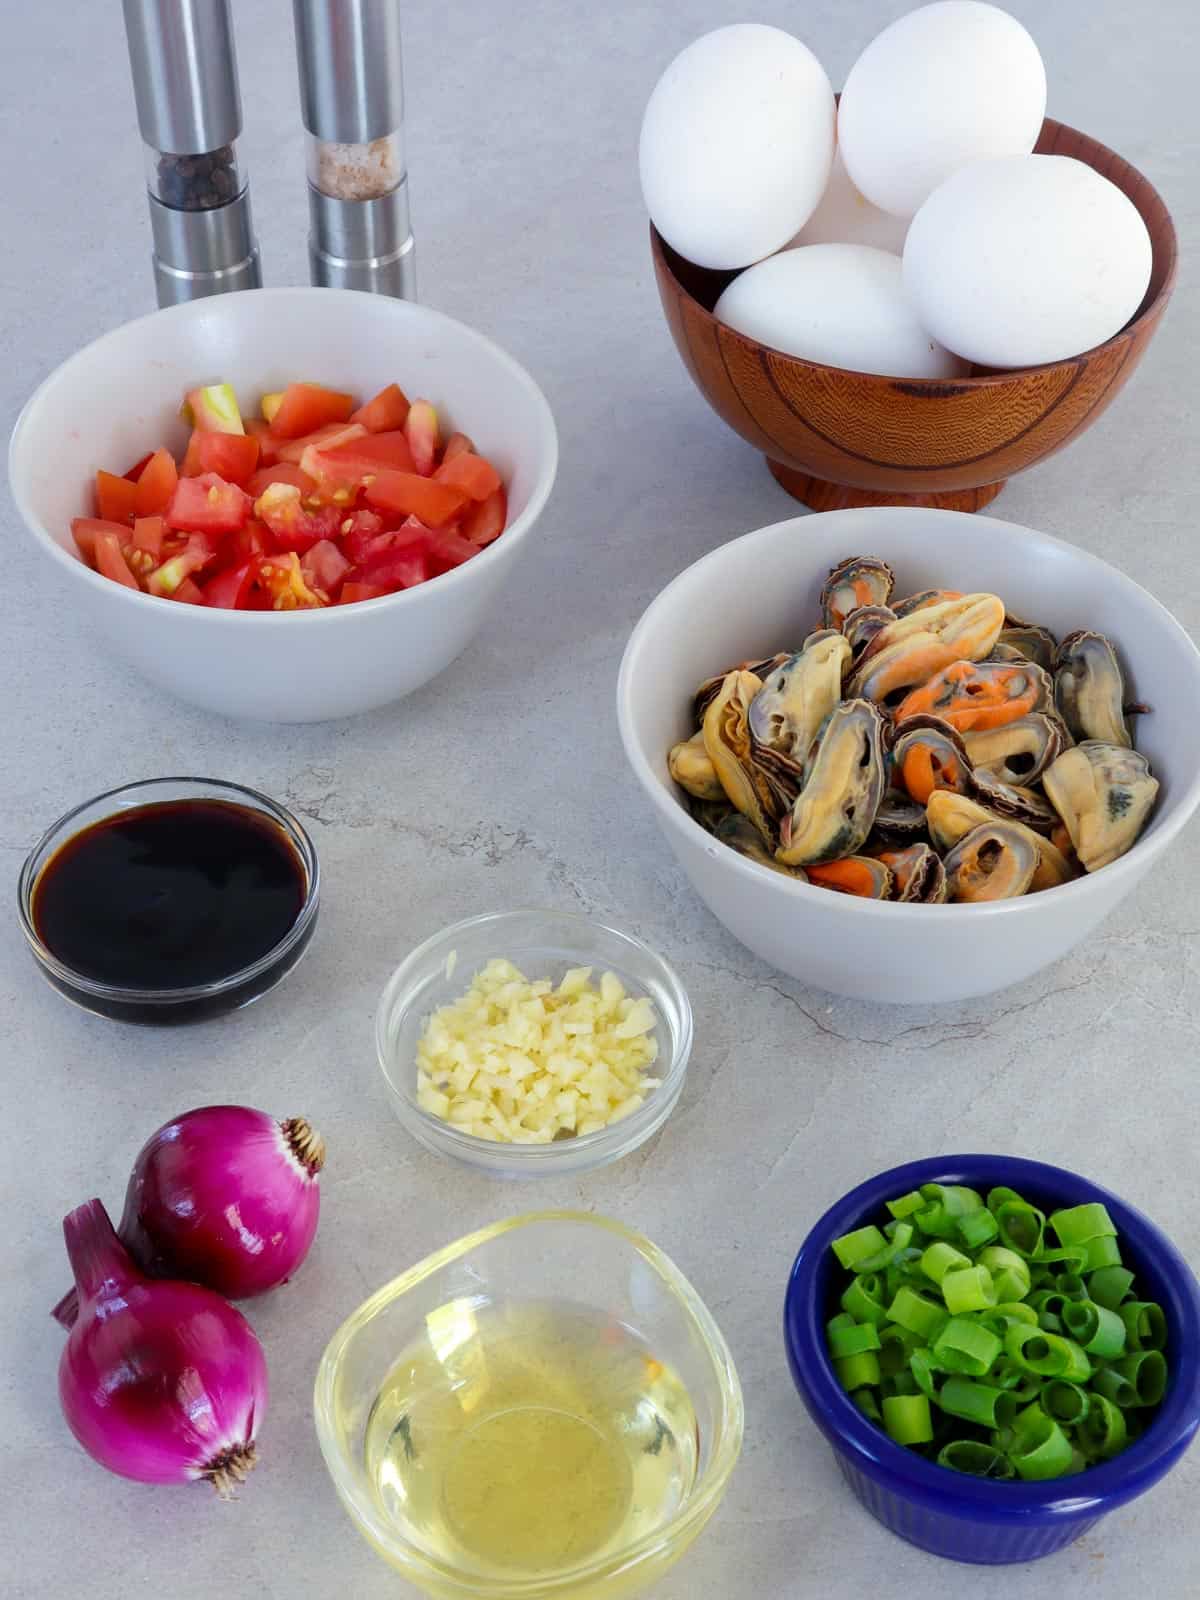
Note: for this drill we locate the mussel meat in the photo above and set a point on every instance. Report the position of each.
(711, 687)
(996, 861)
(843, 785)
(1020, 751)
(868, 877)
(928, 754)
(710, 814)
(861, 626)
(951, 816)
(912, 649)
(983, 694)
(1104, 794)
(690, 766)
(1089, 688)
(923, 599)
(917, 872)
(787, 712)
(857, 581)
(726, 736)
(1035, 643)
(741, 835)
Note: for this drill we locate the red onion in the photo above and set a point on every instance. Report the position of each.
(162, 1382)
(224, 1196)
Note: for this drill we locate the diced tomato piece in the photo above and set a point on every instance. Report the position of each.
(421, 426)
(208, 505)
(138, 468)
(362, 536)
(324, 567)
(456, 445)
(116, 498)
(85, 530)
(194, 557)
(485, 521)
(230, 589)
(280, 576)
(374, 451)
(470, 473)
(156, 485)
(190, 593)
(280, 472)
(306, 407)
(361, 591)
(250, 541)
(386, 411)
(445, 549)
(232, 456)
(110, 560)
(268, 444)
(414, 496)
(334, 433)
(291, 524)
(148, 537)
(402, 567)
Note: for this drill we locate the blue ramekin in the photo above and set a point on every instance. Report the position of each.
(951, 1513)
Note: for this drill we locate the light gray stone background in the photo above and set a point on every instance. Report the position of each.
(503, 783)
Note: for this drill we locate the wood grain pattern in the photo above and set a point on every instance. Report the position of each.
(835, 438)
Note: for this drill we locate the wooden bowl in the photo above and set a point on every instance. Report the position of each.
(836, 438)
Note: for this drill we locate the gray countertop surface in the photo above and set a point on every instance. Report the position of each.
(504, 783)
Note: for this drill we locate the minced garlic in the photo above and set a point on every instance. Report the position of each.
(527, 1063)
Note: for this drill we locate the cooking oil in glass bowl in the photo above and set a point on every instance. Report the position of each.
(519, 1438)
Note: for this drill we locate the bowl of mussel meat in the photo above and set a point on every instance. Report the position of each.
(911, 755)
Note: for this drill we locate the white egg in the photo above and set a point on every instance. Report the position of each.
(943, 86)
(736, 144)
(842, 304)
(1026, 259)
(845, 216)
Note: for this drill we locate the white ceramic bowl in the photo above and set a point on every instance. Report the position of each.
(120, 396)
(758, 595)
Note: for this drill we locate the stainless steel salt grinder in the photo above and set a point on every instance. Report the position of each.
(190, 113)
(352, 102)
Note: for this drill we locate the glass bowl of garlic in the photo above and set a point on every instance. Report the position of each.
(533, 1043)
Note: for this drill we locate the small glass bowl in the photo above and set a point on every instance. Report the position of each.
(589, 1262)
(195, 1003)
(543, 944)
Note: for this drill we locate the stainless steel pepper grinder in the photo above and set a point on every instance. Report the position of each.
(352, 102)
(189, 110)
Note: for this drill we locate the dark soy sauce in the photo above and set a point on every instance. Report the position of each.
(171, 896)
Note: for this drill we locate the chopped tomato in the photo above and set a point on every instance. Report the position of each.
(413, 496)
(194, 556)
(402, 567)
(138, 468)
(190, 593)
(421, 426)
(362, 536)
(324, 567)
(374, 451)
(282, 579)
(333, 433)
(116, 498)
(485, 521)
(281, 472)
(230, 589)
(110, 560)
(156, 485)
(456, 444)
(352, 592)
(208, 505)
(386, 411)
(85, 529)
(292, 525)
(248, 542)
(445, 549)
(268, 444)
(470, 473)
(148, 536)
(306, 407)
(232, 456)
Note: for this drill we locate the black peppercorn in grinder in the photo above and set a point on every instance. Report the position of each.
(189, 111)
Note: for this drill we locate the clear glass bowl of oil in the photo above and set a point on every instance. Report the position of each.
(545, 1408)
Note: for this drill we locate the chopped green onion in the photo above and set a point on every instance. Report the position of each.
(1110, 1285)
(907, 1419)
(941, 1258)
(977, 1228)
(1047, 1354)
(1146, 1370)
(1021, 1226)
(858, 1372)
(917, 1313)
(921, 1368)
(1072, 1286)
(1009, 1271)
(963, 1346)
(1065, 1402)
(907, 1204)
(937, 1222)
(1145, 1324)
(893, 1248)
(968, 1289)
(1015, 1311)
(852, 1340)
(858, 1245)
(1101, 1332)
(981, 1403)
(1079, 1224)
(996, 1197)
(863, 1299)
(979, 1459)
(1102, 1253)
(1042, 1449)
(1104, 1430)
(867, 1403)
